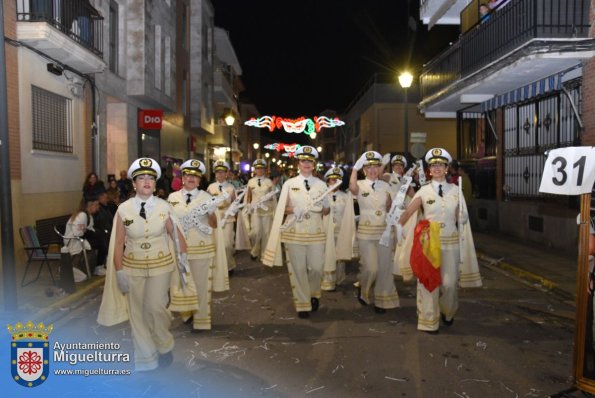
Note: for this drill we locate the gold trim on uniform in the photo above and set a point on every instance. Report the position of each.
(127, 222)
(288, 237)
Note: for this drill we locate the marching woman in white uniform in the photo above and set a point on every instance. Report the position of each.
(302, 199)
(207, 262)
(139, 267)
(439, 202)
(374, 199)
(338, 201)
(221, 185)
(396, 178)
(261, 219)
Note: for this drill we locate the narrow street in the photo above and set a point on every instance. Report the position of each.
(508, 340)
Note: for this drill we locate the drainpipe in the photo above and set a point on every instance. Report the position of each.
(8, 265)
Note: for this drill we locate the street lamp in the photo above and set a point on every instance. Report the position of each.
(256, 146)
(405, 80)
(230, 120)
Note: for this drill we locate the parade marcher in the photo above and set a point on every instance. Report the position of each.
(302, 199)
(339, 201)
(221, 184)
(261, 219)
(139, 267)
(374, 199)
(437, 266)
(395, 178)
(206, 257)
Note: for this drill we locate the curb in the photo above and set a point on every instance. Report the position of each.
(527, 277)
(62, 307)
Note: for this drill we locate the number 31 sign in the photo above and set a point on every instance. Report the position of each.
(569, 171)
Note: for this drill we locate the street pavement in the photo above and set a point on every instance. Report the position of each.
(512, 338)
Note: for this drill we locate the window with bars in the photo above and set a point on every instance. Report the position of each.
(52, 121)
(532, 128)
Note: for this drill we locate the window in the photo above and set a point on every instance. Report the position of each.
(52, 121)
(530, 129)
(158, 57)
(113, 36)
(167, 66)
(184, 28)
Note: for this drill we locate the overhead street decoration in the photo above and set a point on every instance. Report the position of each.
(300, 125)
(279, 146)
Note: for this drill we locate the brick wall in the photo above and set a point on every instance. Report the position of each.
(12, 93)
(588, 111)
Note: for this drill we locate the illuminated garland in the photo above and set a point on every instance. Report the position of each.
(288, 148)
(300, 125)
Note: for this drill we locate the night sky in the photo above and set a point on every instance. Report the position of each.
(302, 57)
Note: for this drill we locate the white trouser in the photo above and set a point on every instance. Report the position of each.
(149, 319)
(229, 238)
(376, 270)
(202, 272)
(331, 279)
(260, 227)
(443, 299)
(305, 273)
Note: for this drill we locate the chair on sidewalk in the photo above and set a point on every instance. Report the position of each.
(36, 252)
(80, 239)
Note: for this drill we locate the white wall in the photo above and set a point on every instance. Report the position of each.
(43, 171)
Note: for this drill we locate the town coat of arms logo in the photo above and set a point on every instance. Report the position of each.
(30, 353)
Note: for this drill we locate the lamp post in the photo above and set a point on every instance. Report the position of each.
(405, 80)
(230, 120)
(256, 145)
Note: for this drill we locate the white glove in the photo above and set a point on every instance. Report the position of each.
(122, 281)
(464, 218)
(183, 263)
(359, 164)
(298, 212)
(386, 159)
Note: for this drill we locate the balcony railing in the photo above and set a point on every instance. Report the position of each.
(75, 18)
(507, 29)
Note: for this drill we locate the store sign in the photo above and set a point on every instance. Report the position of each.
(150, 119)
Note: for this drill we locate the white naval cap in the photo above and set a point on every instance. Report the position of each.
(372, 158)
(438, 155)
(220, 165)
(306, 152)
(193, 167)
(144, 166)
(259, 164)
(399, 159)
(334, 172)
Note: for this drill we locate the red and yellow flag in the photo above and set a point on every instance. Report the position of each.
(425, 254)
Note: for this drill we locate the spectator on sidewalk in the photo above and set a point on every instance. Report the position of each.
(79, 224)
(125, 186)
(92, 185)
(457, 170)
(113, 195)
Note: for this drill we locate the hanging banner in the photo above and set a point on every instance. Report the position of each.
(569, 171)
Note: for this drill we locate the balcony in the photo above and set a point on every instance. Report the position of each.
(223, 89)
(70, 31)
(525, 41)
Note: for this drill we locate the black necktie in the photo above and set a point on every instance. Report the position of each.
(373, 185)
(142, 213)
(307, 186)
(220, 188)
(259, 182)
(440, 190)
(189, 196)
(334, 198)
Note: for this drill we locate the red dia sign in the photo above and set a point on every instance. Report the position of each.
(150, 119)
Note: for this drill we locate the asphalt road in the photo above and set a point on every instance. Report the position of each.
(508, 340)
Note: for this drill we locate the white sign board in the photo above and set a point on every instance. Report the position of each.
(569, 171)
